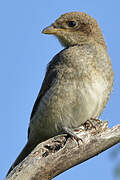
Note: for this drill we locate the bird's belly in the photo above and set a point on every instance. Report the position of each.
(69, 106)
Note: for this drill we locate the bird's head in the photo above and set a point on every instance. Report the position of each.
(75, 28)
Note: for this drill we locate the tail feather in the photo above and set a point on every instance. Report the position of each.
(24, 153)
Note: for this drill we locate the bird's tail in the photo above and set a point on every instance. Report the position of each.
(24, 153)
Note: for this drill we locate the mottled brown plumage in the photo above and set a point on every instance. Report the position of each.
(77, 83)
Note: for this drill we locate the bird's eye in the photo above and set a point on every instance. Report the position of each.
(71, 23)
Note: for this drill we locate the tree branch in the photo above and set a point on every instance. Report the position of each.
(54, 156)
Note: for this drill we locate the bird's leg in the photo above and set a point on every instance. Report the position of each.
(97, 120)
(92, 123)
(89, 125)
(72, 134)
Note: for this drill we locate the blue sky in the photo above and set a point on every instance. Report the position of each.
(24, 54)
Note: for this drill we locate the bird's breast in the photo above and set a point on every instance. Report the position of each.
(79, 92)
(69, 105)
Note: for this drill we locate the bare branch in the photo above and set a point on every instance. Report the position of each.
(60, 153)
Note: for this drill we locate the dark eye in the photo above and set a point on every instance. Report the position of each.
(71, 23)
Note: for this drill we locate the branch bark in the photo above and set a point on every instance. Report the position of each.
(56, 155)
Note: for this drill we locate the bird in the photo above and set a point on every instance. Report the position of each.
(77, 84)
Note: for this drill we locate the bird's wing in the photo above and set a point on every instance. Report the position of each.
(47, 82)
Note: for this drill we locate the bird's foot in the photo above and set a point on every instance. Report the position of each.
(96, 125)
(72, 134)
(92, 123)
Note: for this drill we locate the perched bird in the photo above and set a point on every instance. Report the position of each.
(77, 84)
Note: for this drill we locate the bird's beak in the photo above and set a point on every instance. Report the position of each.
(50, 30)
